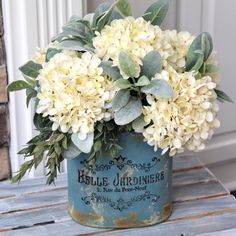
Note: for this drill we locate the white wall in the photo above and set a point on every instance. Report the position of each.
(218, 18)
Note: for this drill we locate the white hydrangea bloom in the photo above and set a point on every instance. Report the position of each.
(187, 120)
(136, 37)
(74, 92)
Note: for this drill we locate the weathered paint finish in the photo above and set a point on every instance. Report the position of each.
(132, 190)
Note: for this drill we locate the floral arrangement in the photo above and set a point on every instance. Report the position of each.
(109, 73)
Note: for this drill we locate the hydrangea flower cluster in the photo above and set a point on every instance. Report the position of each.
(187, 120)
(74, 92)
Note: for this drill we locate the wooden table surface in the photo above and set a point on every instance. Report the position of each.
(202, 206)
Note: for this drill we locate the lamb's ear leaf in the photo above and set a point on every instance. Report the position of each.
(128, 65)
(51, 52)
(131, 111)
(201, 43)
(83, 145)
(99, 11)
(156, 12)
(120, 99)
(110, 70)
(159, 88)
(124, 8)
(152, 64)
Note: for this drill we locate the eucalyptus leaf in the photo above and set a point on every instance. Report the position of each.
(83, 145)
(128, 113)
(201, 43)
(139, 124)
(31, 69)
(156, 12)
(51, 52)
(72, 152)
(110, 70)
(159, 88)
(123, 83)
(120, 99)
(223, 97)
(152, 64)
(127, 65)
(143, 81)
(124, 8)
(18, 85)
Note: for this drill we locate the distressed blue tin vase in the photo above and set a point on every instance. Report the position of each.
(132, 190)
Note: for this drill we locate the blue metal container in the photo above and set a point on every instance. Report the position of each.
(132, 190)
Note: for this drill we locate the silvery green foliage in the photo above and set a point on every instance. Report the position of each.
(127, 65)
(152, 64)
(110, 70)
(157, 12)
(159, 88)
(222, 96)
(139, 124)
(199, 51)
(124, 8)
(123, 84)
(128, 113)
(142, 81)
(83, 145)
(121, 99)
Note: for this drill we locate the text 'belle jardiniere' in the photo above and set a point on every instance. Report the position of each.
(118, 97)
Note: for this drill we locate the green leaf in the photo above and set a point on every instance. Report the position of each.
(123, 83)
(199, 61)
(115, 16)
(203, 43)
(139, 124)
(159, 88)
(211, 69)
(120, 99)
(222, 96)
(152, 64)
(18, 85)
(127, 65)
(72, 44)
(104, 19)
(110, 70)
(83, 145)
(129, 113)
(97, 146)
(157, 12)
(124, 8)
(72, 152)
(51, 52)
(31, 69)
(100, 11)
(31, 93)
(143, 81)
(89, 18)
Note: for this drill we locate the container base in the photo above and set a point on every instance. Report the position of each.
(130, 221)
